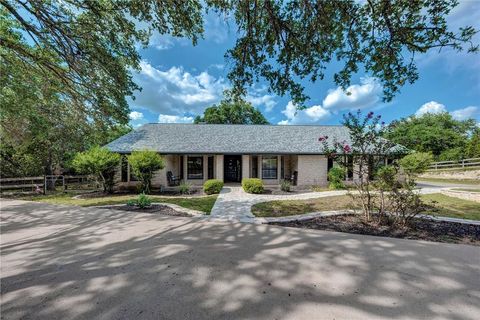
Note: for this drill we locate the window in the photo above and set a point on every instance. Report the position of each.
(210, 167)
(269, 167)
(124, 166)
(195, 168)
(254, 167)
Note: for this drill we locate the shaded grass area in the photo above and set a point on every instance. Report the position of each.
(453, 181)
(204, 204)
(445, 206)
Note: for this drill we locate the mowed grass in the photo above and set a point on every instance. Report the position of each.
(445, 206)
(453, 207)
(204, 204)
(281, 208)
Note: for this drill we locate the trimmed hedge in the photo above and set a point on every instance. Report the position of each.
(252, 185)
(212, 186)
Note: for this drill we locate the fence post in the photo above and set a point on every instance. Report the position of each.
(463, 163)
(44, 184)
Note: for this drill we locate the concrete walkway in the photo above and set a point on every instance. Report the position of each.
(234, 204)
(67, 262)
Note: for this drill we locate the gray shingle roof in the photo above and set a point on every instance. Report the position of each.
(227, 139)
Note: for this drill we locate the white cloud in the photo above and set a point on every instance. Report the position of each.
(466, 113)
(357, 96)
(166, 118)
(309, 115)
(266, 100)
(135, 115)
(176, 91)
(430, 107)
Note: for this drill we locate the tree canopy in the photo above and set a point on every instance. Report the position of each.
(66, 66)
(232, 111)
(286, 41)
(436, 133)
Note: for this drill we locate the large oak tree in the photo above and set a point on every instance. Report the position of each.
(80, 55)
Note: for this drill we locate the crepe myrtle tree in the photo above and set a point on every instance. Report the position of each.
(366, 150)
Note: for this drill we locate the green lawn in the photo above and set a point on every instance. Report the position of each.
(453, 207)
(446, 206)
(281, 208)
(204, 204)
(455, 181)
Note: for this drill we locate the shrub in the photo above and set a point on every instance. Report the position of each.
(285, 185)
(144, 164)
(184, 187)
(336, 176)
(252, 185)
(212, 186)
(142, 201)
(100, 162)
(416, 163)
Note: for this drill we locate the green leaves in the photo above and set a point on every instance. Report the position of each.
(232, 110)
(285, 42)
(435, 133)
(416, 163)
(100, 162)
(144, 164)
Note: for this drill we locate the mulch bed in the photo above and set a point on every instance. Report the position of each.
(419, 229)
(154, 208)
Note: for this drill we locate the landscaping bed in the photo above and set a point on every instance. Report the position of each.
(419, 229)
(154, 208)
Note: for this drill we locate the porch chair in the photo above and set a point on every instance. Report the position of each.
(172, 180)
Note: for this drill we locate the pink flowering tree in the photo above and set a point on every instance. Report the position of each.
(361, 154)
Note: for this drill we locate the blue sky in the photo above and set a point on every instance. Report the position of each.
(180, 80)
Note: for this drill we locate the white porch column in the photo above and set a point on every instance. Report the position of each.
(245, 166)
(219, 166)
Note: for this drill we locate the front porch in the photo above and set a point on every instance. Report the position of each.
(195, 169)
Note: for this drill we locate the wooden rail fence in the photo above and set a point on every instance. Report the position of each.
(39, 183)
(460, 164)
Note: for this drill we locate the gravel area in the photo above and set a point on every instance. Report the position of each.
(420, 229)
(154, 208)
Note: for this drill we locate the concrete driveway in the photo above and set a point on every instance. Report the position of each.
(61, 262)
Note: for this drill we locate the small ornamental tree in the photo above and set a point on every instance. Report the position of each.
(144, 164)
(415, 164)
(100, 162)
(367, 148)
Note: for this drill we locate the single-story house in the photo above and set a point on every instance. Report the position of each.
(198, 152)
